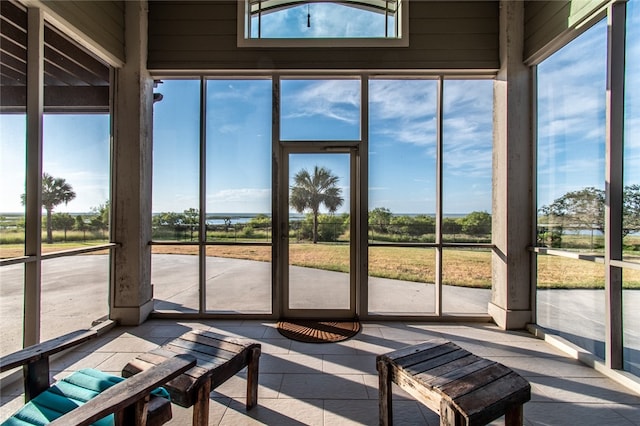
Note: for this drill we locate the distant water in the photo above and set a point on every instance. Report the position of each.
(219, 218)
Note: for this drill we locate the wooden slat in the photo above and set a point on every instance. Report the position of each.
(436, 352)
(491, 401)
(445, 357)
(45, 349)
(460, 372)
(124, 394)
(149, 359)
(409, 350)
(443, 374)
(205, 363)
(199, 350)
(474, 382)
(227, 340)
(214, 342)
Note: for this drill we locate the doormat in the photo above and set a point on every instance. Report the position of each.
(312, 331)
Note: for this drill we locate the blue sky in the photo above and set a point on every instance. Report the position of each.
(402, 136)
(402, 141)
(76, 148)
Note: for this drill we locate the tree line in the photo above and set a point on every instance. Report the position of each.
(584, 210)
(576, 210)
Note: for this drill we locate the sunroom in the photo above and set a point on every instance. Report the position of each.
(417, 166)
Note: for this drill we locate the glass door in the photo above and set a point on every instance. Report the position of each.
(318, 281)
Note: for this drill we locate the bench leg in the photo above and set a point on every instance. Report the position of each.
(385, 394)
(514, 416)
(36, 378)
(449, 416)
(133, 415)
(252, 378)
(201, 407)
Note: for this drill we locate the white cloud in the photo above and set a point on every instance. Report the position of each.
(240, 200)
(335, 99)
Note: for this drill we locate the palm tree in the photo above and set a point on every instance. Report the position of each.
(55, 191)
(309, 192)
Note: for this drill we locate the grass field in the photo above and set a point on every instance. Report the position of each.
(462, 267)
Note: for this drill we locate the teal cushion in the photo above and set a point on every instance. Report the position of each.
(67, 394)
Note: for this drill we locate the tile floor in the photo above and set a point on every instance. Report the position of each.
(336, 384)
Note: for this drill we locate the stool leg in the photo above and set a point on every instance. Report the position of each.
(201, 407)
(514, 416)
(449, 416)
(385, 394)
(252, 378)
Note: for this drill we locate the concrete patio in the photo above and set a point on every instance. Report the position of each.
(337, 384)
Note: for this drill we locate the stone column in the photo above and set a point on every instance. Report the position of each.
(512, 211)
(131, 293)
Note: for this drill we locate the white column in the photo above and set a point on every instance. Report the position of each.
(512, 211)
(131, 293)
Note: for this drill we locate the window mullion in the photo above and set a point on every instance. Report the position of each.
(614, 178)
(33, 198)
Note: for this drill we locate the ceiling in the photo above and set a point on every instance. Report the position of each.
(74, 81)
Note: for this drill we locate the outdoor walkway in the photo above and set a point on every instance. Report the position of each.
(336, 384)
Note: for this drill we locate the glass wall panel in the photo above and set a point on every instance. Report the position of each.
(402, 193)
(466, 281)
(13, 128)
(467, 160)
(176, 164)
(631, 277)
(238, 188)
(402, 160)
(631, 218)
(319, 242)
(320, 110)
(175, 278)
(401, 281)
(571, 144)
(12, 184)
(571, 301)
(238, 160)
(74, 293)
(75, 180)
(11, 308)
(631, 321)
(76, 146)
(238, 279)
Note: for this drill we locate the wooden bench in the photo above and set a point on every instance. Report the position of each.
(464, 389)
(89, 396)
(219, 358)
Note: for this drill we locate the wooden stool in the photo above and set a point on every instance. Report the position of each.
(463, 388)
(219, 358)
